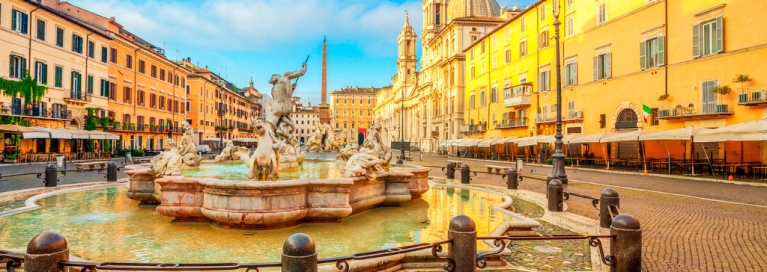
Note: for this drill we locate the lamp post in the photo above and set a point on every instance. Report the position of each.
(402, 124)
(221, 120)
(559, 157)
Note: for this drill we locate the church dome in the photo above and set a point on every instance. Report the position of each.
(468, 8)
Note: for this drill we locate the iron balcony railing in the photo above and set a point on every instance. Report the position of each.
(36, 112)
(752, 95)
(512, 123)
(518, 96)
(545, 118)
(698, 109)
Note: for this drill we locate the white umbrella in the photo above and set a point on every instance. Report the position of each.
(487, 142)
(593, 138)
(471, 142)
(26, 132)
(749, 131)
(627, 137)
(682, 134)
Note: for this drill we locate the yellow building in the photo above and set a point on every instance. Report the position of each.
(351, 110)
(616, 56)
(61, 52)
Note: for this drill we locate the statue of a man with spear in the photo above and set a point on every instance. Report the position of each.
(282, 92)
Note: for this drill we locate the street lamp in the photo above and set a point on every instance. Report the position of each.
(402, 124)
(221, 120)
(559, 157)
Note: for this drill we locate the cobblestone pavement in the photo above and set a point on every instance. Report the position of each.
(682, 231)
(31, 181)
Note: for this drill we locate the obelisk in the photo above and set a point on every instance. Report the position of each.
(324, 106)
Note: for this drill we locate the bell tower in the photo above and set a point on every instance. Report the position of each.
(406, 58)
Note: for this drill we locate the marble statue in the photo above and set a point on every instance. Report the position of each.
(228, 153)
(168, 162)
(373, 145)
(263, 163)
(332, 142)
(347, 152)
(187, 149)
(314, 143)
(282, 92)
(362, 164)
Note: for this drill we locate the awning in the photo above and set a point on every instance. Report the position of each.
(529, 141)
(565, 139)
(749, 131)
(245, 140)
(469, 142)
(628, 136)
(487, 142)
(593, 138)
(79, 134)
(56, 133)
(106, 135)
(671, 135)
(26, 132)
(504, 140)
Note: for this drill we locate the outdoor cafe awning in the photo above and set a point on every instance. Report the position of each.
(245, 140)
(627, 137)
(565, 139)
(593, 138)
(504, 140)
(470, 142)
(486, 142)
(26, 132)
(683, 134)
(56, 133)
(530, 141)
(743, 132)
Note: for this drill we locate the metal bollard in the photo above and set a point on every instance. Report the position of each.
(512, 179)
(299, 254)
(450, 172)
(626, 247)
(551, 176)
(112, 171)
(465, 171)
(608, 197)
(45, 251)
(556, 196)
(463, 249)
(51, 179)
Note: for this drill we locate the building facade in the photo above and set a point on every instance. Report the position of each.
(352, 111)
(432, 98)
(677, 58)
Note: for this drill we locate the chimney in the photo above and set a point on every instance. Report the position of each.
(112, 19)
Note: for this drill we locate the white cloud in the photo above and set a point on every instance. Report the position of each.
(260, 25)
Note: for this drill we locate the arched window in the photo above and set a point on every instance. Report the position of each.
(627, 119)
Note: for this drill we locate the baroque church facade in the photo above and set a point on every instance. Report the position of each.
(425, 104)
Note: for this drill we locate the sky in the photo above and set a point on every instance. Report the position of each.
(253, 39)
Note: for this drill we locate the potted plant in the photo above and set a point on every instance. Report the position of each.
(722, 91)
(663, 98)
(743, 96)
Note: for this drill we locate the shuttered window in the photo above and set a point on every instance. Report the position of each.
(40, 30)
(707, 38)
(59, 37)
(90, 84)
(58, 76)
(77, 43)
(104, 54)
(19, 21)
(18, 66)
(602, 66)
(104, 90)
(41, 73)
(571, 74)
(651, 53)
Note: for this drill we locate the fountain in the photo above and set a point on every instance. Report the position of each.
(261, 199)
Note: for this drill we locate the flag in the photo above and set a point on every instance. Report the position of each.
(647, 111)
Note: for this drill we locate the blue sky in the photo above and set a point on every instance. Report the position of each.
(244, 39)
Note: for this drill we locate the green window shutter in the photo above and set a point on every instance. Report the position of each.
(608, 65)
(719, 35)
(24, 23)
(45, 74)
(90, 84)
(72, 83)
(23, 68)
(36, 71)
(14, 14)
(596, 68)
(79, 83)
(642, 55)
(58, 77)
(12, 67)
(661, 51)
(574, 81)
(696, 41)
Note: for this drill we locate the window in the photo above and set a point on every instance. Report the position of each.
(153, 70)
(494, 95)
(188, 106)
(19, 21)
(471, 72)
(162, 102)
(128, 61)
(112, 88)
(495, 38)
(522, 48)
(89, 84)
(654, 117)
(602, 66)
(58, 75)
(126, 94)
(140, 98)
(471, 101)
(601, 12)
(77, 43)
(710, 101)
(570, 27)
(508, 33)
(472, 53)
(543, 39)
(707, 38)
(651, 53)
(59, 37)
(76, 85)
(482, 98)
(41, 73)
(104, 90)
(113, 55)
(571, 74)
(104, 54)
(602, 121)
(482, 66)
(507, 56)
(162, 74)
(543, 11)
(18, 66)
(495, 60)
(544, 81)
(170, 77)
(91, 49)
(569, 3)
(141, 66)
(40, 30)
(522, 24)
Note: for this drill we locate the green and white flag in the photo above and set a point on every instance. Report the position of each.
(647, 111)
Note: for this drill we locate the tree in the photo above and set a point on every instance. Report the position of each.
(741, 79)
(27, 88)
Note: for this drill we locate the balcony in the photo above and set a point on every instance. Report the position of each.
(698, 110)
(35, 112)
(78, 97)
(473, 128)
(518, 96)
(546, 118)
(752, 96)
(573, 115)
(512, 124)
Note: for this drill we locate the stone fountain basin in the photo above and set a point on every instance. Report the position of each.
(276, 204)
